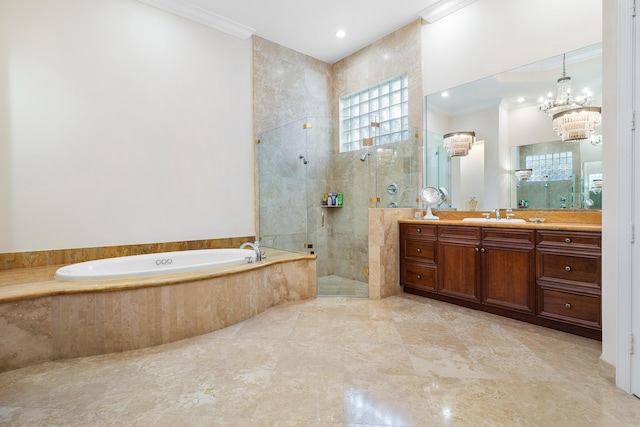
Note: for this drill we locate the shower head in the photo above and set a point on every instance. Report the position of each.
(304, 160)
(364, 156)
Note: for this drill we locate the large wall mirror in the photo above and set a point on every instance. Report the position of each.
(513, 133)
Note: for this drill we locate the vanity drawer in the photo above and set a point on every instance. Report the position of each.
(446, 232)
(420, 250)
(427, 231)
(572, 307)
(569, 239)
(577, 269)
(508, 236)
(419, 276)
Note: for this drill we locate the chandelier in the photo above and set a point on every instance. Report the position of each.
(577, 124)
(573, 118)
(458, 143)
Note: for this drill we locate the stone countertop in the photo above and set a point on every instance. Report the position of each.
(25, 283)
(563, 220)
(562, 226)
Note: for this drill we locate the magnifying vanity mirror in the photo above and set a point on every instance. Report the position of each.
(518, 160)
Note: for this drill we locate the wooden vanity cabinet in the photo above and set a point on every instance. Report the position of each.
(568, 278)
(418, 249)
(546, 277)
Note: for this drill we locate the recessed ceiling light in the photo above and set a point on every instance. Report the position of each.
(445, 94)
(340, 34)
(521, 99)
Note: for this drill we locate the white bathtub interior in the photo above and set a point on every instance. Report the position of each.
(154, 264)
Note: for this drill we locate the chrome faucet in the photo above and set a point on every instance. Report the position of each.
(497, 211)
(256, 248)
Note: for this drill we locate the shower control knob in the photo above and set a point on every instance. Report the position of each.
(568, 268)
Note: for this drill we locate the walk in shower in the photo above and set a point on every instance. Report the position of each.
(298, 163)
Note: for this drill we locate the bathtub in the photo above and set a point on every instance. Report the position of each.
(154, 264)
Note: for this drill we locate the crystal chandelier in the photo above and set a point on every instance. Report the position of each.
(458, 143)
(577, 124)
(573, 118)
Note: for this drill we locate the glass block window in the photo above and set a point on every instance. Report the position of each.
(550, 166)
(386, 103)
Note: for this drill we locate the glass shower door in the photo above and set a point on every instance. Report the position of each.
(283, 164)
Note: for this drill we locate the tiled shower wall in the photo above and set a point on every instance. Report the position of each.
(290, 89)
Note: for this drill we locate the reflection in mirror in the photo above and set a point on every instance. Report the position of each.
(513, 132)
(563, 176)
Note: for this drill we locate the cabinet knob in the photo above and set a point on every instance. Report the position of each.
(568, 305)
(419, 250)
(568, 268)
(418, 230)
(419, 276)
(477, 249)
(482, 250)
(568, 240)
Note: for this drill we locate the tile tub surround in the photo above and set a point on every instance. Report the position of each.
(32, 259)
(46, 320)
(334, 362)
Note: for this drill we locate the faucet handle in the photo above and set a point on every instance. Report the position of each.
(486, 215)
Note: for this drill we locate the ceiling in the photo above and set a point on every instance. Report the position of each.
(529, 82)
(310, 27)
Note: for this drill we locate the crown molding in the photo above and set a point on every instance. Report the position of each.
(202, 16)
(441, 8)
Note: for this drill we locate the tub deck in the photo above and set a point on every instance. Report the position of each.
(26, 283)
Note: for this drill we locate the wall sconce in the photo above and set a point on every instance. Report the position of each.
(523, 174)
(597, 186)
(458, 143)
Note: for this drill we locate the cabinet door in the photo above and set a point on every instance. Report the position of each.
(508, 277)
(458, 269)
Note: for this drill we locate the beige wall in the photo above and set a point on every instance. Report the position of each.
(121, 124)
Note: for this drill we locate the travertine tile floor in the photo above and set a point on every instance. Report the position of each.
(403, 361)
(339, 286)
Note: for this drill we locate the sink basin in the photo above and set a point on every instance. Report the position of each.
(493, 220)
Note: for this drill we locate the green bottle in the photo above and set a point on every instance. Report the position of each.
(339, 199)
